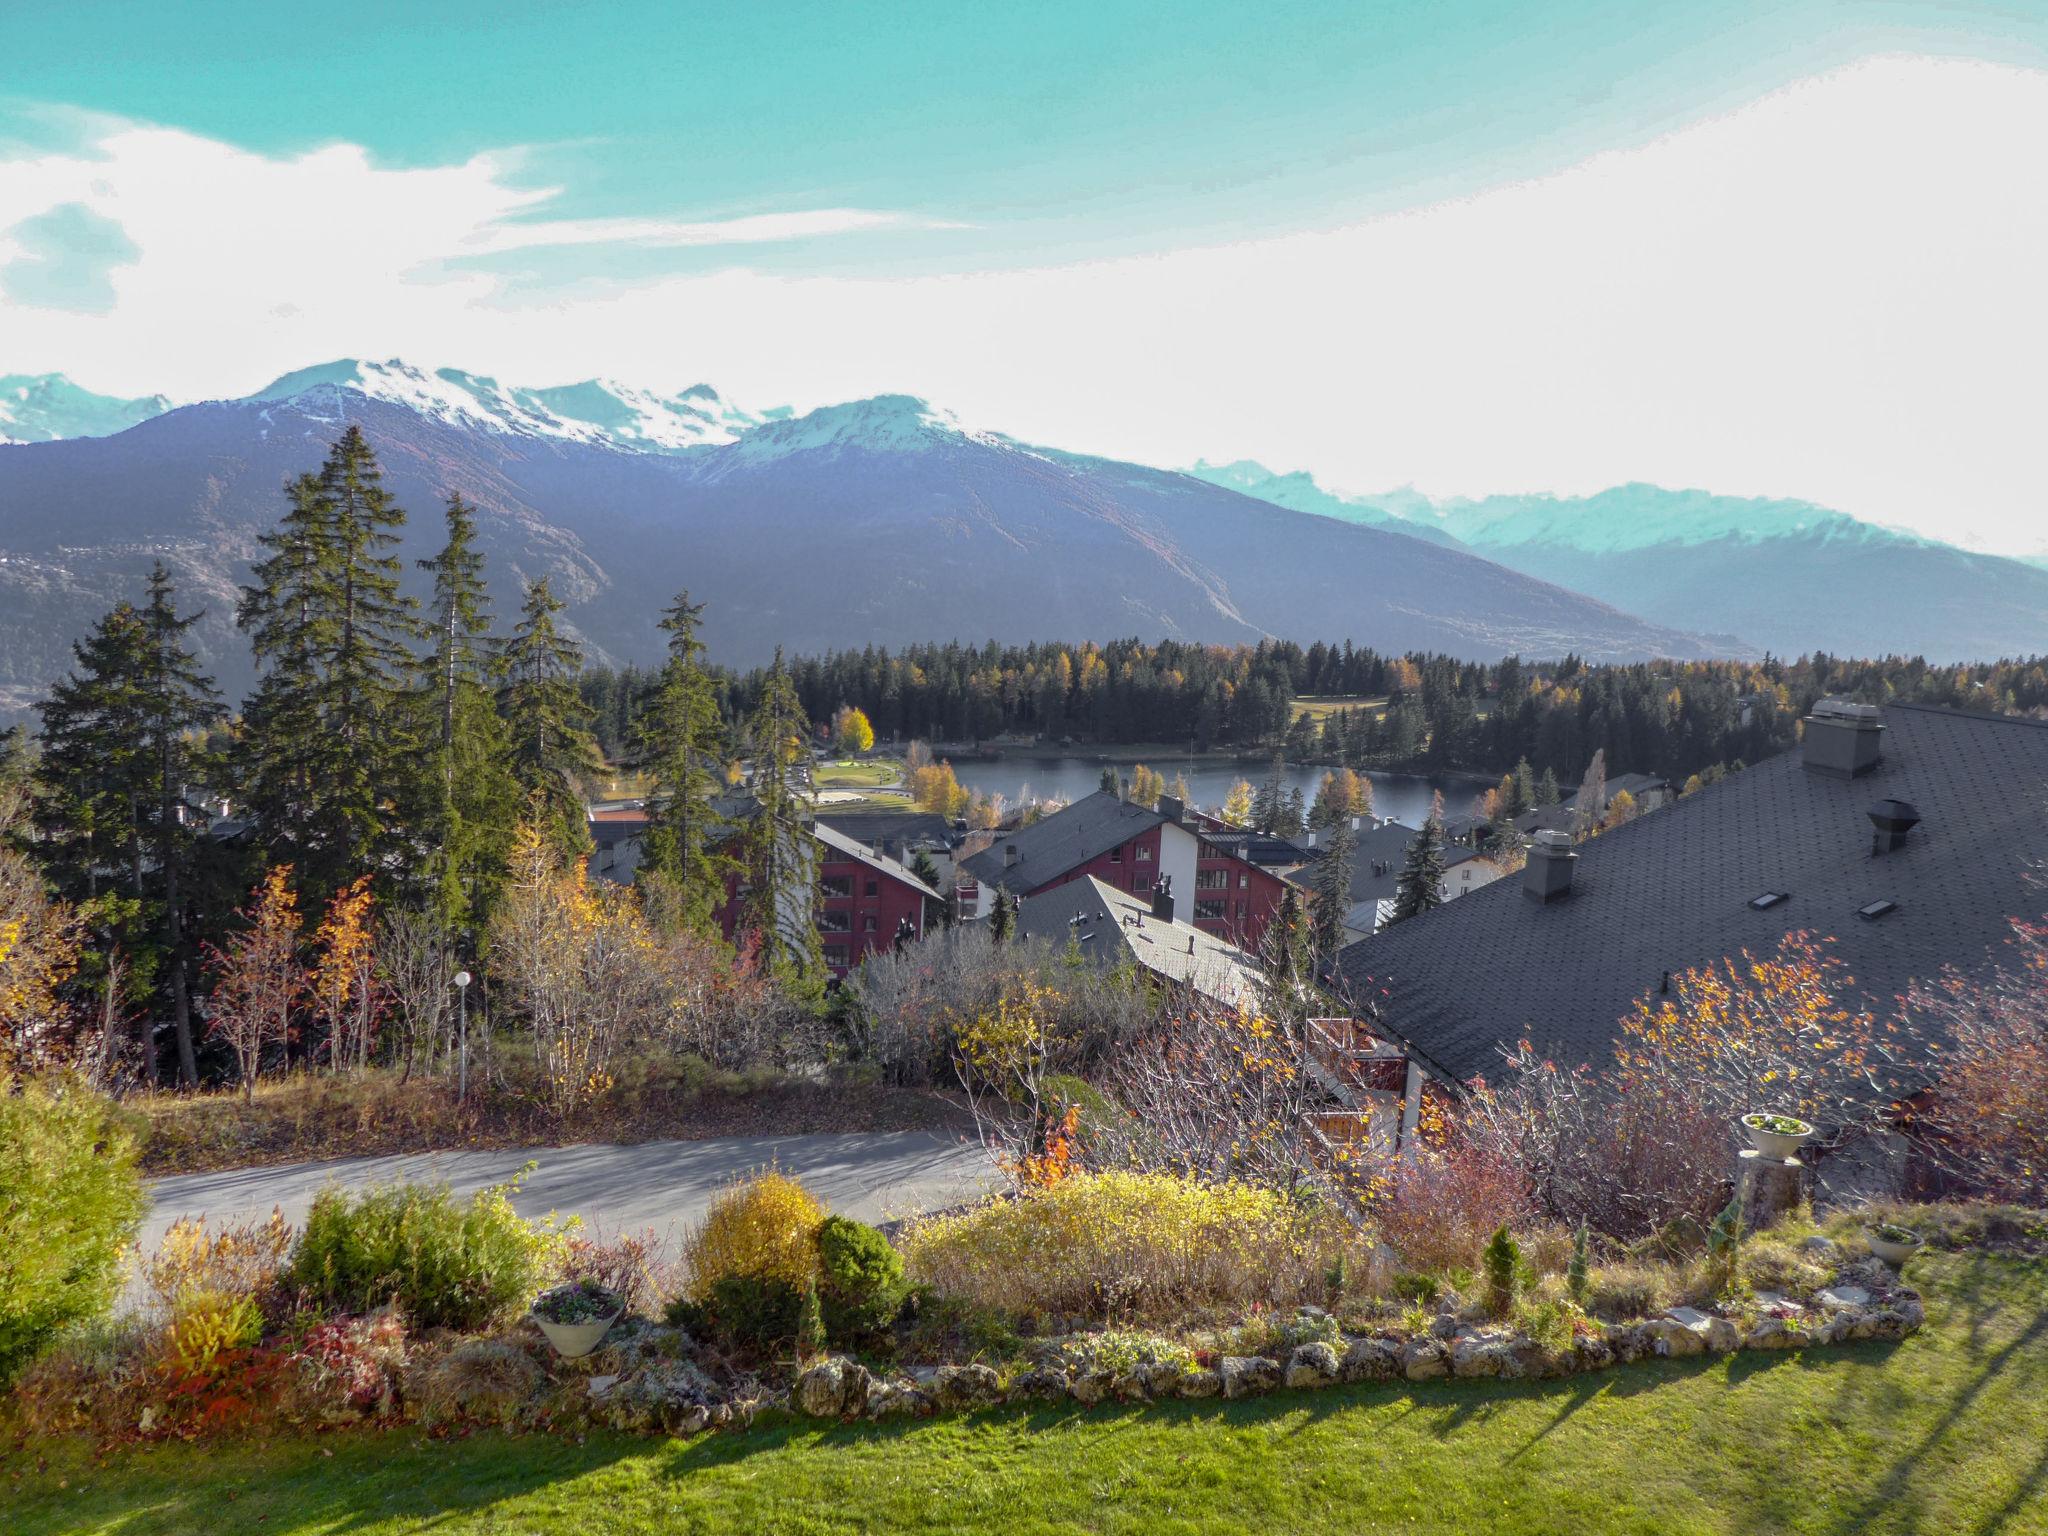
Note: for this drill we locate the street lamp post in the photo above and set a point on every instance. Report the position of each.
(462, 1037)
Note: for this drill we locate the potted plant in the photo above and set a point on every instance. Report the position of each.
(1776, 1136)
(1893, 1243)
(576, 1316)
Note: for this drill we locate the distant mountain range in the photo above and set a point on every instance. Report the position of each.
(880, 521)
(45, 407)
(1785, 575)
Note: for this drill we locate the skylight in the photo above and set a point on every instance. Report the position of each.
(1769, 899)
(1876, 909)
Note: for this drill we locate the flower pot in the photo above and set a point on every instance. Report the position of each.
(1777, 1144)
(1893, 1253)
(573, 1341)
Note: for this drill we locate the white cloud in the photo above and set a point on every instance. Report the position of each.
(1835, 292)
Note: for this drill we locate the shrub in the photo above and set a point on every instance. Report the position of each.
(625, 1266)
(478, 1379)
(1623, 1291)
(447, 1263)
(1447, 1201)
(860, 1278)
(69, 1201)
(195, 1261)
(764, 1227)
(757, 1311)
(1577, 1276)
(99, 1376)
(1416, 1286)
(348, 1365)
(1503, 1272)
(1152, 1244)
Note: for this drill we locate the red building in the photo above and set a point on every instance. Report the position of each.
(861, 901)
(1130, 847)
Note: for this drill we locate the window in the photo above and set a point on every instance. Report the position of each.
(1212, 879)
(835, 954)
(835, 887)
(867, 924)
(874, 886)
(1116, 855)
(1244, 881)
(1144, 853)
(1876, 909)
(834, 922)
(1768, 900)
(1211, 911)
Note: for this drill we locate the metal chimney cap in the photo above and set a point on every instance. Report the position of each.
(1552, 840)
(1894, 816)
(1847, 710)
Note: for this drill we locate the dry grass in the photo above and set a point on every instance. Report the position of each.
(652, 1098)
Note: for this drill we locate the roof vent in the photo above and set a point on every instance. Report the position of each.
(1843, 739)
(1009, 854)
(1872, 911)
(1162, 899)
(1893, 820)
(1548, 874)
(1769, 899)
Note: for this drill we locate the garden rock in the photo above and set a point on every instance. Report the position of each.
(1478, 1354)
(1840, 1296)
(1133, 1386)
(1822, 1250)
(1162, 1377)
(1313, 1365)
(833, 1389)
(1777, 1333)
(1248, 1375)
(1091, 1387)
(1040, 1384)
(600, 1387)
(1423, 1358)
(895, 1401)
(1201, 1382)
(673, 1395)
(961, 1387)
(1370, 1360)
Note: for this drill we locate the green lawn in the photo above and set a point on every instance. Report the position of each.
(862, 774)
(1946, 1432)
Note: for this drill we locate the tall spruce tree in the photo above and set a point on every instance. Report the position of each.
(779, 880)
(472, 810)
(121, 750)
(553, 752)
(1420, 885)
(330, 763)
(681, 737)
(1330, 897)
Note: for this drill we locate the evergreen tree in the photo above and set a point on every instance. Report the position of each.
(120, 752)
(1547, 791)
(1293, 812)
(1330, 897)
(1285, 956)
(1002, 917)
(328, 761)
(474, 799)
(681, 737)
(1421, 883)
(553, 752)
(779, 898)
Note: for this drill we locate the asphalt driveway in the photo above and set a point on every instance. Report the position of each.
(662, 1185)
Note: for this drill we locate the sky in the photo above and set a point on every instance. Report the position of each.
(1790, 249)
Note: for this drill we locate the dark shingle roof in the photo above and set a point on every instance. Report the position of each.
(1113, 925)
(1672, 891)
(1262, 848)
(1385, 846)
(892, 830)
(1061, 842)
(852, 848)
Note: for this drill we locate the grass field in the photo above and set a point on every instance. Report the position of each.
(866, 774)
(1946, 1432)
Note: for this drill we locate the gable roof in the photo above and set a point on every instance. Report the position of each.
(1376, 860)
(1062, 842)
(1671, 891)
(1110, 925)
(893, 829)
(852, 848)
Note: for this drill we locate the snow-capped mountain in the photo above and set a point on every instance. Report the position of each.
(47, 407)
(1789, 575)
(596, 411)
(878, 521)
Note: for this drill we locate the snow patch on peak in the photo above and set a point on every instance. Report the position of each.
(48, 407)
(880, 424)
(597, 411)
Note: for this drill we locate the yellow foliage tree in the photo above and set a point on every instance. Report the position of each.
(346, 991)
(851, 730)
(1237, 804)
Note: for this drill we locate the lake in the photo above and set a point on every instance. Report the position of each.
(1401, 796)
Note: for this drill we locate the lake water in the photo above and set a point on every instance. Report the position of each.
(1400, 796)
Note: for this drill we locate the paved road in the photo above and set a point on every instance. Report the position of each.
(663, 1185)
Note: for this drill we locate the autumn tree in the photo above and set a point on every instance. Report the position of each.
(851, 730)
(1590, 803)
(1146, 786)
(347, 993)
(1237, 803)
(1342, 795)
(933, 787)
(38, 951)
(257, 978)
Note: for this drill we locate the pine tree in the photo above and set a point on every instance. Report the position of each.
(1421, 884)
(1285, 953)
(1002, 917)
(119, 755)
(474, 800)
(552, 748)
(329, 760)
(780, 893)
(680, 734)
(1330, 898)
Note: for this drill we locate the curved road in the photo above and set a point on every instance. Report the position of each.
(662, 1185)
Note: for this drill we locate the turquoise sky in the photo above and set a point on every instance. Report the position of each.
(1055, 129)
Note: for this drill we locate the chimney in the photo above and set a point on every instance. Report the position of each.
(1009, 854)
(1548, 874)
(1843, 740)
(1173, 809)
(1893, 819)
(1162, 899)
